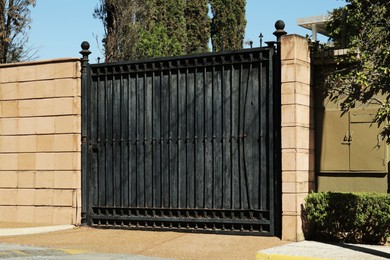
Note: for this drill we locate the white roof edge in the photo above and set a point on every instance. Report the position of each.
(313, 19)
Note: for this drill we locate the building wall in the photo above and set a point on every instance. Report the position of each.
(353, 182)
(40, 140)
(359, 164)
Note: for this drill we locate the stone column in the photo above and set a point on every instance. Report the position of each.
(297, 133)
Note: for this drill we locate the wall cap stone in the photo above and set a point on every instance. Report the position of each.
(33, 63)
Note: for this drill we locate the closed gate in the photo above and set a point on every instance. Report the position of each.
(183, 143)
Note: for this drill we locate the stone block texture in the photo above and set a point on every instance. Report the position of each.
(297, 133)
(40, 141)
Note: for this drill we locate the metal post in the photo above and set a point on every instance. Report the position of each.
(84, 60)
(279, 26)
(84, 130)
(261, 39)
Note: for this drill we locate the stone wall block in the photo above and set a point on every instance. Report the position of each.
(63, 198)
(26, 162)
(10, 108)
(26, 179)
(9, 91)
(8, 213)
(43, 214)
(8, 74)
(26, 143)
(44, 197)
(67, 124)
(8, 179)
(9, 126)
(8, 161)
(25, 214)
(27, 90)
(67, 179)
(295, 71)
(294, 48)
(26, 126)
(25, 197)
(8, 144)
(44, 180)
(8, 197)
(63, 215)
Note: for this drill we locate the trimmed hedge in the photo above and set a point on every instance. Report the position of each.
(347, 217)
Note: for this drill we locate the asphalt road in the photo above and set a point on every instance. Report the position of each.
(14, 251)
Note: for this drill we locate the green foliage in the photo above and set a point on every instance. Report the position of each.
(164, 30)
(198, 26)
(122, 21)
(136, 29)
(349, 217)
(228, 24)
(363, 76)
(156, 42)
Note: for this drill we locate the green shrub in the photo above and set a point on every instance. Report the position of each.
(348, 217)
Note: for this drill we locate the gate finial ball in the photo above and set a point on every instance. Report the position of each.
(85, 45)
(85, 50)
(279, 25)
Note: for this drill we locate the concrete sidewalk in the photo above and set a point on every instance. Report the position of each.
(19, 231)
(315, 250)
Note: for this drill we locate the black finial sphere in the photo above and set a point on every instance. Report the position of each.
(85, 45)
(279, 25)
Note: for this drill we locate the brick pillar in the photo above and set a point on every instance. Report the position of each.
(297, 133)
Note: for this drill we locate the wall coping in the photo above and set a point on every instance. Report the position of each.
(33, 63)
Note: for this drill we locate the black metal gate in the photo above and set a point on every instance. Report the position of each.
(184, 143)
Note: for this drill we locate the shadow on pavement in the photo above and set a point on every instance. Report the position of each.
(364, 250)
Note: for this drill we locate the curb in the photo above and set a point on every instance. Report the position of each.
(264, 256)
(32, 230)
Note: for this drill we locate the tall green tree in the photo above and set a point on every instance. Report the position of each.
(228, 24)
(198, 26)
(14, 23)
(164, 29)
(137, 29)
(363, 76)
(122, 19)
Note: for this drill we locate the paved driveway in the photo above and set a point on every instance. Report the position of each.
(76, 242)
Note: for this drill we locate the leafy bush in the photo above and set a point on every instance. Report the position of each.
(348, 217)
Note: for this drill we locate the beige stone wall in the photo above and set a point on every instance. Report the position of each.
(40, 133)
(297, 134)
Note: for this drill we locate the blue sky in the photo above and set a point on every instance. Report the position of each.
(59, 26)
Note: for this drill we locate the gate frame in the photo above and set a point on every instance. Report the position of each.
(273, 154)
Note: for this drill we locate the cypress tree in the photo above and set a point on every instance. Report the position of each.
(121, 20)
(198, 26)
(228, 24)
(164, 32)
(153, 28)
